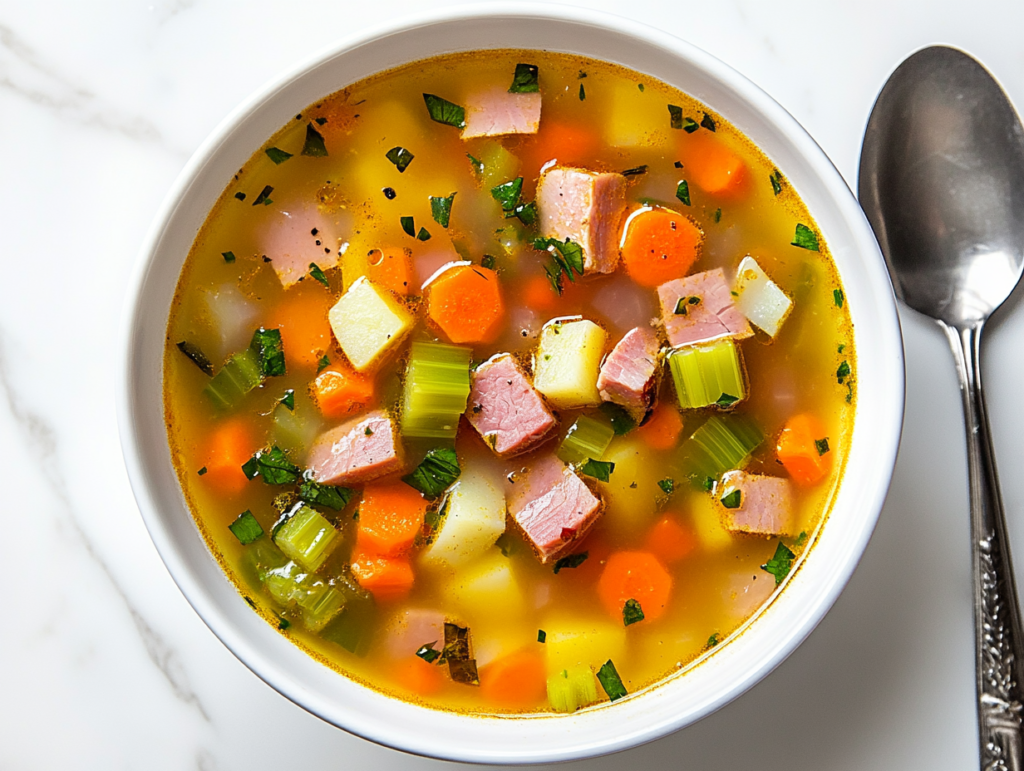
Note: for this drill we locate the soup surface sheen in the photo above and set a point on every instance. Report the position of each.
(334, 245)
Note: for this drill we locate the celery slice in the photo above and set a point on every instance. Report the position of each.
(571, 689)
(708, 374)
(721, 444)
(239, 375)
(306, 537)
(258, 559)
(291, 585)
(436, 390)
(294, 430)
(352, 629)
(587, 439)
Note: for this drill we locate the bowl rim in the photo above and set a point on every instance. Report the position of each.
(627, 730)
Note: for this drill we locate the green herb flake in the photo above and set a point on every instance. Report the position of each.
(316, 272)
(843, 372)
(240, 196)
(283, 624)
(635, 171)
(324, 362)
(726, 400)
(428, 654)
(245, 528)
(779, 565)
(632, 613)
(610, 681)
(800, 539)
(821, 445)
(367, 431)
(567, 258)
(683, 192)
(441, 209)
(841, 348)
(196, 356)
(837, 296)
(675, 116)
(487, 261)
(332, 497)
(277, 155)
(438, 471)
(583, 93)
(408, 225)
(526, 212)
(229, 257)
(622, 422)
(269, 350)
(288, 400)
(508, 193)
(443, 111)
(264, 196)
(478, 165)
(708, 122)
(713, 640)
(314, 145)
(525, 80)
(667, 485)
(641, 87)
(732, 500)
(572, 561)
(542, 636)
(708, 484)
(400, 157)
(600, 470)
(321, 121)
(805, 238)
(202, 471)
(690, 125)
(717, 217)
(423, 235)
(273, 466)
(776, 179)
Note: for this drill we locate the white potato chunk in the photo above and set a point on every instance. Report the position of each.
(588, 642)
(631, 493)
(566, 364)
(368, 323)
(486, 591)
(758, 298)
(474, 519)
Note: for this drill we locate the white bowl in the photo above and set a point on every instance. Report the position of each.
(731, 669)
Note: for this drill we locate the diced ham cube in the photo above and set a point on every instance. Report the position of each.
(412, 629)
(495, 112)
(505, 409)
(357, 451)
(628, 374)
(587, 207)
(765, 504)
(295, 237)
(553, 507)
(707, 311)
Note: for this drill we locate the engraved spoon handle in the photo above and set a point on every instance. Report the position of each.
(997, 628)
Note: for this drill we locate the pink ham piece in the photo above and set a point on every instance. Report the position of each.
(295, 237)
(495, 112)
(553, 507)
(627, 375)
(587, 207)
(505, 409)
(412, 629)
(765, 506)
(713, 317)
(357, 451)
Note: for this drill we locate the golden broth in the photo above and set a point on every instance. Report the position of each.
(619, 121)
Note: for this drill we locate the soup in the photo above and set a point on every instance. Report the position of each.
(509, 382)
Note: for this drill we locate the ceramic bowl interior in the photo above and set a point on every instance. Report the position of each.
(732, 668)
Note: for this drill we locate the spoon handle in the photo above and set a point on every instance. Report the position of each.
(998, 638)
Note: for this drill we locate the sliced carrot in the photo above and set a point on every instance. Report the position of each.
(465, 302)
(386, 578)
(539, 294)
(635, 575)
(562, 143)
(390, 268)
(232, 443)
(803, 449)
(659, 245)
(302, 318)
(417, 676)
(711, 165)
(516, 680)
(662, 430)
(669, 539)
(339, 390)
(390, 517)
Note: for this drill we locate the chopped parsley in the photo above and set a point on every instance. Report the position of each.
(266, 344)
(542, 636)
(776, 179)
(478, 165)
(635, 171)
(316, 272)
(324, 362)
(690, 125)
(779, 565)
(610, 681)
(441, 209)
(201, 471)
(583, 93)
(314, 145)
(572, 561)
(428, 654)
(821, 445)
(246, 528)
(525, 80)
(801, 538)
(283, 624)
(675, 116)
(805, 238)
(667, 485)
(526, 212)
(443, 111)
(423, 235)
(598, 469)
(508, 193)
(408, 226)
(367, 431)
(196, 356)
(288, 400)
(240, 196)
(713, 640)
(717, 216)
(622, 422)
(708, 122)
(837, 296)
(332, 497)
(641, 87)
(277, 155)
(438, 471)
(683, 192)
(726, 400)
(321, 121)
(400, 157)
(843, 372)
(273, 466)
(229, 257)
(264, 196)
(732, 500)
(487, 261)
(632, 612)
(567, 258)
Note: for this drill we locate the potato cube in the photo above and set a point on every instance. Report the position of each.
(368, 323)
(631, 115)
(486, 591)
(631, 493)
(474, 519)
(759, 298)
(566, 364)
(582, 641)
(707, 522)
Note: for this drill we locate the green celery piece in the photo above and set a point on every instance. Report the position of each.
(258, 559)
(586, 439)
(571, 689)
(352, 629)
(721, 444)
(703, 374)
(320, 603)
(498, 163)
(436, 390)
(239, 375)
(291, 585)
(307, 538)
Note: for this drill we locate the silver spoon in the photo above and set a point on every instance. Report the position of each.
(942, 182)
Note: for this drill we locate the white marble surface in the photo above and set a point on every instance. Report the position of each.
(103, 665)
